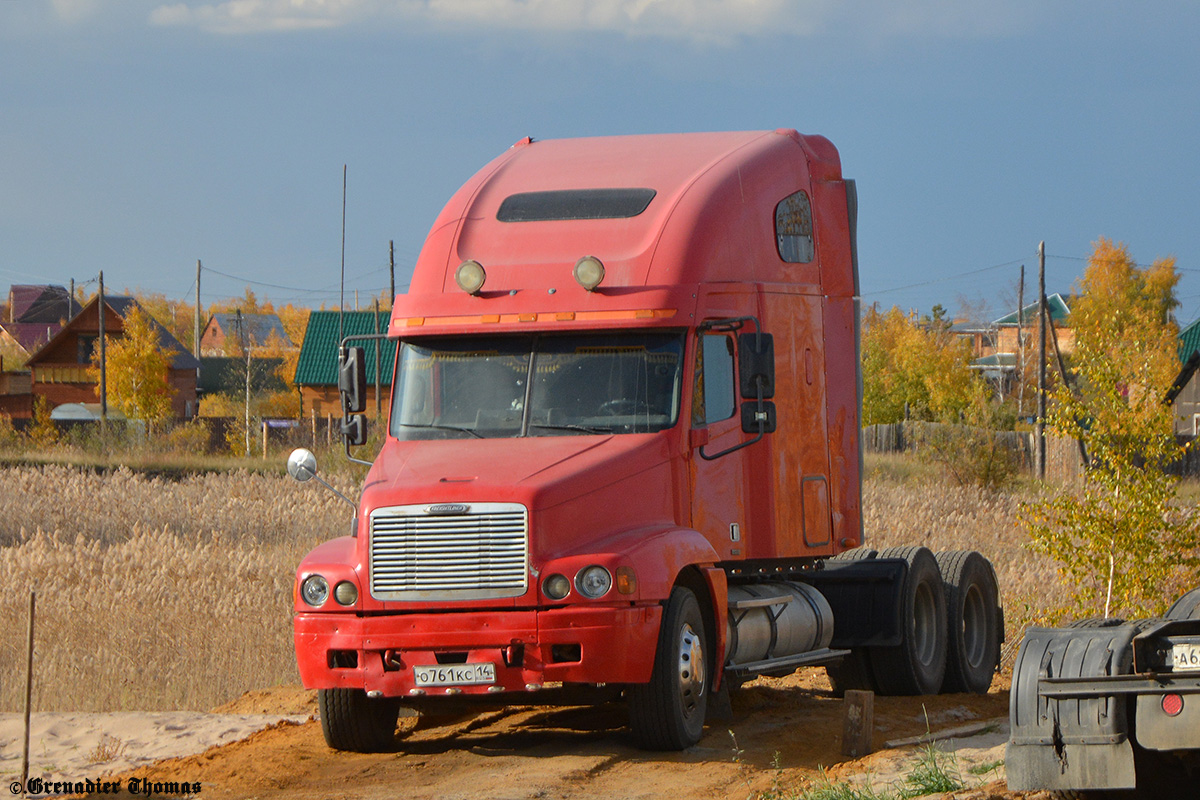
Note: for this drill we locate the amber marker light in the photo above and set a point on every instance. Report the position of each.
(626, 580)
(470, 276)
(589, 272)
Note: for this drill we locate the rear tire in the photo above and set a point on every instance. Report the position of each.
(918, 664)
(356, 723)
(972, 621)
(668, 712)
(1186, 607)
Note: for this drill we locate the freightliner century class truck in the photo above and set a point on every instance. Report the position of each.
(622, 459)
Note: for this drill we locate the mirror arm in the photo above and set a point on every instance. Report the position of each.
(349, 457)
(762, 431)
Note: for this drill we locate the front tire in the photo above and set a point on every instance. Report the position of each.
(668, 712)
(354, 722)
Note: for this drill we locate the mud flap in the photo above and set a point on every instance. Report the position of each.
(1070, 742)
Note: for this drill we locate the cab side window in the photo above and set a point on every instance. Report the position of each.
(793, 229)
(713, 394)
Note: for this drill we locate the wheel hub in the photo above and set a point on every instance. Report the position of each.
(691, 669)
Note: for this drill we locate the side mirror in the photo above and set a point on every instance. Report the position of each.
(756, 381)
(756, 365)
(352, 381)
(302, 465)
(354, 429)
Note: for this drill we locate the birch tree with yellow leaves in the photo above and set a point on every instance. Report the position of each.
(1120, 539)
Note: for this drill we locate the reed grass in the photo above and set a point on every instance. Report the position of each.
(160, 594)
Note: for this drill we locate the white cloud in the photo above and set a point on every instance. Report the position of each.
(703, 20)
(257, 16)
(74, 10)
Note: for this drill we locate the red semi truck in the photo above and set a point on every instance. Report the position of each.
(622, 457)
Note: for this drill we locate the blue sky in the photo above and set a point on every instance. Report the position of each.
(138, 136)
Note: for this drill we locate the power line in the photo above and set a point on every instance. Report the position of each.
(943, 279)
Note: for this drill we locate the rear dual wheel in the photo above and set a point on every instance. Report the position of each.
(974, 626)
(917, 664)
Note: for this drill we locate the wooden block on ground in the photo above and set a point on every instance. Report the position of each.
(859, 723)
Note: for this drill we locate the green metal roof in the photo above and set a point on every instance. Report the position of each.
(1189, 341)
(318, 355)
(1059, 311)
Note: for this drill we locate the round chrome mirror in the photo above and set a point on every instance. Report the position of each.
(302, 464)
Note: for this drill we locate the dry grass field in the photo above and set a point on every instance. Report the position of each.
(152, 594)
(156, 594)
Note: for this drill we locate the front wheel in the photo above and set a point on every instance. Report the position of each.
(668, 712)
(354, 722)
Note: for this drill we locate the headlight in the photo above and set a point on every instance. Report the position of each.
(315, 590)
(345, 593)
(593, 582)
(556, 587)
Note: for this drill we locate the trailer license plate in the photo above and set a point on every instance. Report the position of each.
(1186, 656)
(455, 675)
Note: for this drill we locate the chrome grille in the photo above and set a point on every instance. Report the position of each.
(418, 555)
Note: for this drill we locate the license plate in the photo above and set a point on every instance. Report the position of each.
(1185, 656)
(458, 675)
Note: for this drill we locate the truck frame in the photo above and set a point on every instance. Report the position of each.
(623, 457)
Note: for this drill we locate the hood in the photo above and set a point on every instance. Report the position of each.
(539, 472)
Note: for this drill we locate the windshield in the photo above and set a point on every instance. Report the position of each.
(506, 386)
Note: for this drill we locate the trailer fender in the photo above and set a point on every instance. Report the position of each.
(1070, 742)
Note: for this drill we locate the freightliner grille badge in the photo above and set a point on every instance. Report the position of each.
(448, 509)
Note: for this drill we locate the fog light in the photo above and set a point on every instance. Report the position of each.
(593, 582)
(556, 587)
(315, 590)
(589, 271)
(1172, 704)
(346, 593)
(470, 276)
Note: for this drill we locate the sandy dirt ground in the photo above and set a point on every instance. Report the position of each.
(268, 744)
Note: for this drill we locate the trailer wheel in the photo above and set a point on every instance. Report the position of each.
(352, 721)
(854, 671)
(1186, 607)
(973, 621)
(668, 712)
(918, 664)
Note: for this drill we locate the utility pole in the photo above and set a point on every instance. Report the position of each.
(103, 361)
(392, 270)
(1040, 427)
(245, 342)
(196, 343)
(70, 301)
(378, 366)
(1021, 341)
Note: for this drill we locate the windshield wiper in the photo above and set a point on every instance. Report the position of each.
(442, 428)
(584, 428)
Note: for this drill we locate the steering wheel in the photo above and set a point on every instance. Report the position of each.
(620, 406)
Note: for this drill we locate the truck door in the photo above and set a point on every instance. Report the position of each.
(717, 486)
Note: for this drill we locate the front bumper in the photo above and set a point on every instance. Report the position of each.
(530, 649)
